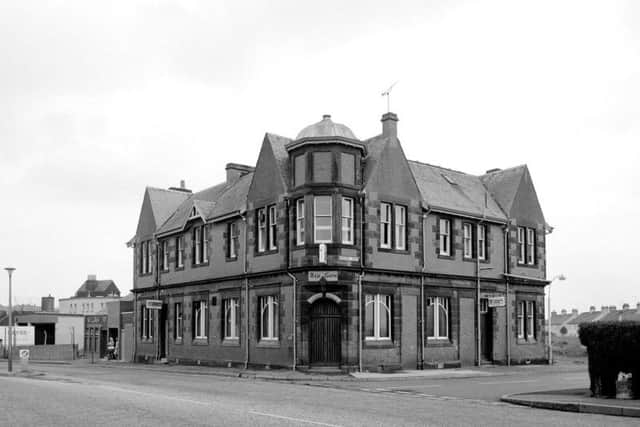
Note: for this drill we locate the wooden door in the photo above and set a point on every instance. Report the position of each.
(486, 330)
(324, 342)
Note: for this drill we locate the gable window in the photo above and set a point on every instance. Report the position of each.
(200, 245)
(147, 323)
(385, 225)
(300, 170)
(300, 222)
(262, 229)
(347, 221)
(531, 246)
(273, 236)
(322, 219)
(445, 237)
(377, 317)
(231, 318)
(467, 240)
(400, 220)
(199, 317)
(521, 245)
(165, 255)
(437, 318)
(178, 324)
(145, 257)
(482, 242)
(180, 251)
(322, 163)
(347, 168)
(232, 240)
(268, 317)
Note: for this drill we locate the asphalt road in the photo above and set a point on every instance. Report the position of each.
(81, 396)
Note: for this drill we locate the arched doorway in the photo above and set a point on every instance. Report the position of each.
(324, 333)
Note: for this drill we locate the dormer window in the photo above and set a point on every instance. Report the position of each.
(193, 213)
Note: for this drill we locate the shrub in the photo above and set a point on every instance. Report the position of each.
(612, 347)
(563, 331)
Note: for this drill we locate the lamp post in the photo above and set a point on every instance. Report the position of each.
(10, 270)
(558, 277)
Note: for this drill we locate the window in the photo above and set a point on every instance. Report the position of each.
(262, 229)
(322, 220)
(385, 225)
(526, 320)
(180, 252)
(521, 245)
(231, 318)
(467, 240)
(178, 325)
(145, 257)
(482, 242)
(377, 317)
(232, 240)
(165, 255)
(268, 317)
(347, 221)
(200, 245)
(437, 318)
(300, 222)
(147, 323)
(273, 227)
(531, 246)
(199, 319)
(300, 170)
(445, 237)
(400, 218)
(322, 166)
(347, 168)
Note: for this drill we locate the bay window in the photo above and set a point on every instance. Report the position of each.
(322, 219)
(300, 222)
(347, 220)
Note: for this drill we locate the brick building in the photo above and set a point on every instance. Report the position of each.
(336, 251)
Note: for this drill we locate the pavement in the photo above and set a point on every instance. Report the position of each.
(576, 400)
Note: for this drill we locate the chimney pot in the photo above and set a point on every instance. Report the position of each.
(592, 309)
(563, 311)
(183, 184)
(604, 308)
(625, 306)
(326, 116)
(574, 311)
(554, 313)
(612, 308)
(389, 125)
(235, 171)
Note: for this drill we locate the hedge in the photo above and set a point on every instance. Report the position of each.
(612, 347)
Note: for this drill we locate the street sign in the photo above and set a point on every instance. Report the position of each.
(329, 276)
(322, 253)
(153, 304)
(497, 301)
(24, 354)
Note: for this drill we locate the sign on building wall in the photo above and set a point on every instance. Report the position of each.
(96, 321)
(153, 304)
(497, 301)
(24, 335)
(329, 276)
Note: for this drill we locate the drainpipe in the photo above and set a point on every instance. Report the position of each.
(294, 281)
(361, 275)
(478, 343)
(424, 269)
(246, 291)
(157, 320)
(505, 230)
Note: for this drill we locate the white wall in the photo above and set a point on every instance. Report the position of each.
(92, 305)
(70, 330)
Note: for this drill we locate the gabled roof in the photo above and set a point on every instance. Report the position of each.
(97, 288)
(213, 202)
(560, 319)
(585, 317)
(455, 191)
(503, 185)
(164, 202)
(278, 146)
(375, 147)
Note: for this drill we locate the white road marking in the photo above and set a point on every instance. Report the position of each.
(508, 382)
(299, 420)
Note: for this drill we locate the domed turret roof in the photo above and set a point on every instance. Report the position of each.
(326, 128)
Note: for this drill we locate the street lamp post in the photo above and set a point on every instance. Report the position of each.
(10, 270)
(550, 349)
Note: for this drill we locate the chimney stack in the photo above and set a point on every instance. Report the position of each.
(554, 313)
(564, 311)
(592, 309)
(235, 171)
(183, 187)
(91, 277)
(574, 311)
(612, 308)
(389, 125)
(47, 304)
(625, 306)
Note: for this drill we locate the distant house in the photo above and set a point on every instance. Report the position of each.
(568, 325)
(91, 297)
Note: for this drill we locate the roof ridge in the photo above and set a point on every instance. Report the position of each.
(168, 190)
(505, 170)
(440, 167)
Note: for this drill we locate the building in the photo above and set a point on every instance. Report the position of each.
(91, 298)
(337, 251)
(568, 325)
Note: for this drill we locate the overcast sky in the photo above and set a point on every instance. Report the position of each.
(100, 99)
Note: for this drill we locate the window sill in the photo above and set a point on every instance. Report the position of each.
(231, 259)
(177, 341)
(394, 250)
(231, 342)
(268, 343)
(145, 274)
(266, 252)
(146, 340)
(526, 341)
(180, 268)
(450, 257)
(439, 342)
(525, 265)
(202, 264)
(378, 343)
(200, 341)
(164, 271)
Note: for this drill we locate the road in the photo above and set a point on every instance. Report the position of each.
(98, 395)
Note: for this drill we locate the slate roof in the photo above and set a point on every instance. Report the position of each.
(559, 319)
(326, 127)
(585, 317)
(454, 191)
(213, 202)
(278, 145)
(503, 185)
(97, 288)
(164, 202)
(375, 147)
